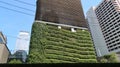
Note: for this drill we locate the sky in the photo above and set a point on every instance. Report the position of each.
(18, 15)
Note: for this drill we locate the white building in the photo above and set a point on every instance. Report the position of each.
(97, 36)
(106, 17)
(22, 42)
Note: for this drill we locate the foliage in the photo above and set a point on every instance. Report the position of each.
(52, 45)
(35, 57)
(15, 61)
(59, 44)
(113, 58)
(103, 60)
(63, 53)
(110, 58)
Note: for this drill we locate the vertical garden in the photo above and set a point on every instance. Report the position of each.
(49, 44)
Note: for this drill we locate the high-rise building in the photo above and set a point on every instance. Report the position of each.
(68, 12)
(4, 51)
(22, 42)
(108, 17)
(97, 36)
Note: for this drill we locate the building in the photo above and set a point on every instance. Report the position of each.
(4, 51)
(108, 14)
(19, 55)
(68, 12)
(22, 42)
(108, 18)
(97, 36)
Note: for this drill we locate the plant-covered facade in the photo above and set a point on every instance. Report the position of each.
(52, 45)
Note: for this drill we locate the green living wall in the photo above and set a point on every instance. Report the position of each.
(49, 44)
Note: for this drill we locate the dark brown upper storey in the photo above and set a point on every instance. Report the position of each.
(61, 11)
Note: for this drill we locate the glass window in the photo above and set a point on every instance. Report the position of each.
(1, 41)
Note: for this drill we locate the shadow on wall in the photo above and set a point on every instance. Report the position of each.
(50, 16)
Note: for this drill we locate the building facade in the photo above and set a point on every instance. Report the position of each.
(108, 14)
(97, 36)
(108, 17)
(68, 12)
(22, 42)
(4, 51)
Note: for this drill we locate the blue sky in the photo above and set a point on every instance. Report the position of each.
(11, 23)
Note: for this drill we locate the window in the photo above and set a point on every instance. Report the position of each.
(114, 44)
(118, 43)
(115, 48)
(1, 41)
(116, 36)
(111, 49)
(118, 32)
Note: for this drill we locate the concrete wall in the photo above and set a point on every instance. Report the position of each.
(97, 36)
(4, 53)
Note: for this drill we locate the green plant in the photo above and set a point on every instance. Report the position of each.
(103, 60)
(113, 58)
(49, 44)
(110, 58)
(15, 61)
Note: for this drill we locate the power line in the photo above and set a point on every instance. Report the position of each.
(16, 11)
(16, 6)
(25, 3)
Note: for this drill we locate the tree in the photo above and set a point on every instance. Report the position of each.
(103, 60)
(15, 61)
(111, 58)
